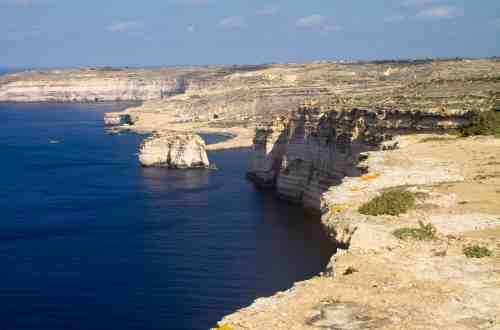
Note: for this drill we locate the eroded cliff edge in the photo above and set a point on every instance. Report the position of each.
(236, 99)
(334, 161)
(316, 147)
(89, 85)
(380, 282)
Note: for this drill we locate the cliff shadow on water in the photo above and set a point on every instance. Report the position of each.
(85, 227)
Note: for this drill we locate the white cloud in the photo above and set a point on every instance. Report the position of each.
(268, 11)
(233, 22)
(320, 24)
(417, 3)
(439, 13)
(310, 21)
(127, 26)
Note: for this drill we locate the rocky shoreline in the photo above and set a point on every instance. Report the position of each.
(377, 281)
(360, 129)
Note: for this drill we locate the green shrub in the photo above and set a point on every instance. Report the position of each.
(477, 251)
(350, 270)
(423, 233)
(483, 123)
(392, 202)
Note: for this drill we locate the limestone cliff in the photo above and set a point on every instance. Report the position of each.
(174, 150)
(302, 155)
(377, 280)
(87, 86)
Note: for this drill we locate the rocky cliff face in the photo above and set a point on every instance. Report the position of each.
(302, 155)
(174, 150)
(87, 86)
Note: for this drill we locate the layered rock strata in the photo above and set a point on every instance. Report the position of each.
(302, 155)
(174, 150)
(378, 281)
(87, 86)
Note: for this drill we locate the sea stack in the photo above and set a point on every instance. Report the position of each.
(174, 150)
(117, 119)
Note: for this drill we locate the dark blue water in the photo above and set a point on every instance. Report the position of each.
(90, 240)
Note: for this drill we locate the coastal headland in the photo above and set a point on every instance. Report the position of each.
(335, 137)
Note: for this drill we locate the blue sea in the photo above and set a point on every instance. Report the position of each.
(91, 240)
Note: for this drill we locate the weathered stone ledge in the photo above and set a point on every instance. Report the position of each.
(381, 282)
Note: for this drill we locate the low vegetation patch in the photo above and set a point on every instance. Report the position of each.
(350, 270)
(438, 139)
(424, 233)
(483, 123)
(393, 202)
(477, 251)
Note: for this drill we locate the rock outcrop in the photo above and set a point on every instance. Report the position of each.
(88, 86)
(302, 155)
(117, 119)
(174, 150)
(379, 281)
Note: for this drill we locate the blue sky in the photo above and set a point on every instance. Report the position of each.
(182, 32)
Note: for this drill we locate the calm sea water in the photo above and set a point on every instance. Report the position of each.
(90, 240)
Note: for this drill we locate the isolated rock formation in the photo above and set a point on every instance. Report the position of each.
(117, 118)
(174, 150)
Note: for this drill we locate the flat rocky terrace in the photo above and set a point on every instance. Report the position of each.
(219, 98)
(237, 101)
(382, 282)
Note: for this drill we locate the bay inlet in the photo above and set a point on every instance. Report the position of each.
(91, 240)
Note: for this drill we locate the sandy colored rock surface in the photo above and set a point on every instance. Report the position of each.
(227, 97)
(382, 282)
(394, 284)
(174, 151)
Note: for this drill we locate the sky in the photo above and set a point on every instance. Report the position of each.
(71, 33)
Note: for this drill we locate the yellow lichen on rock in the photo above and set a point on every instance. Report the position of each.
(370, 177)
(337, 209)
(224, 327)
